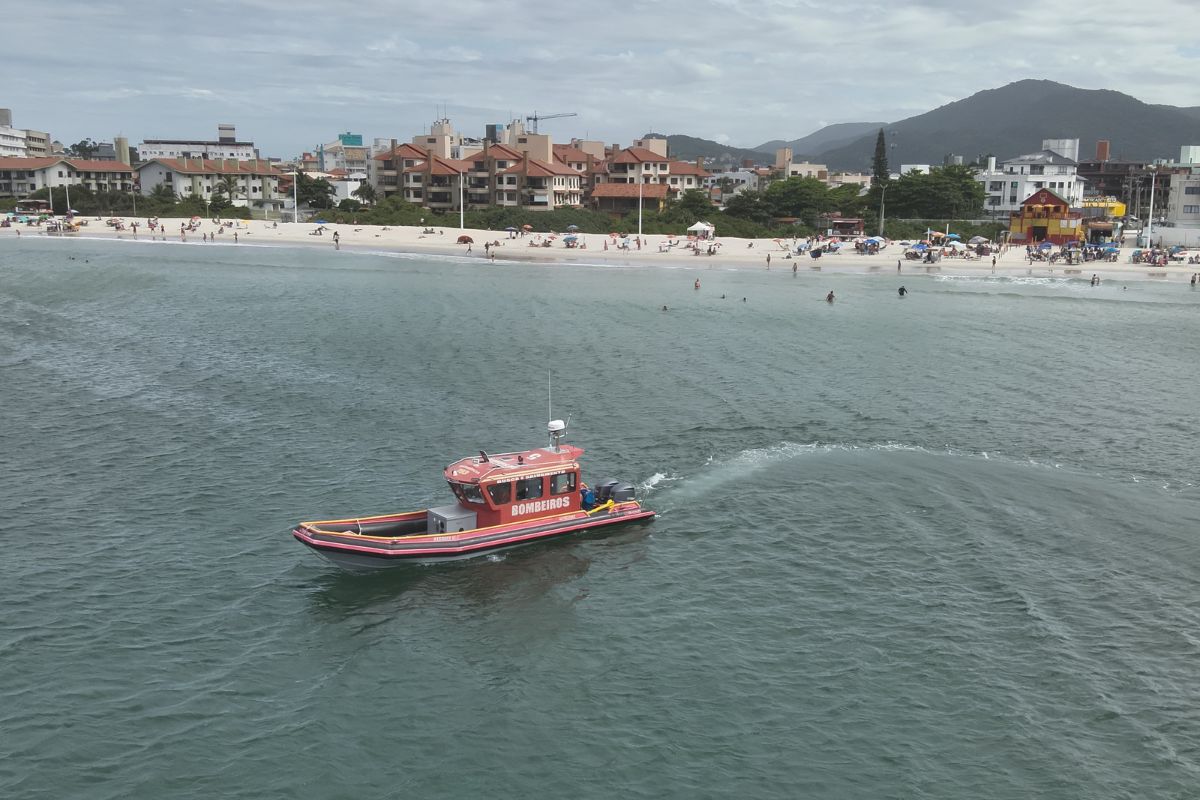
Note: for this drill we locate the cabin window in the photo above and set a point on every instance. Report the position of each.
(562, 483)
(529, 488)
(467, 492)
(500, 492)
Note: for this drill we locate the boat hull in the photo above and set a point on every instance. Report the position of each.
(351, 550)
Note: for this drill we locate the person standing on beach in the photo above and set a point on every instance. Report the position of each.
(768, 260)
(897, 265)
(793, 270)
(337, 241)
(235, 237)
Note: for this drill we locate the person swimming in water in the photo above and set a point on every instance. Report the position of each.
(902, 291)
(829, 297)
(697, 286)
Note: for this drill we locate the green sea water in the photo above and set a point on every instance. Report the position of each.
(940, 546)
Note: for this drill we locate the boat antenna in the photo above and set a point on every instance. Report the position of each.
(555, 427)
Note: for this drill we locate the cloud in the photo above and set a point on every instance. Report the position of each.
(293, 73)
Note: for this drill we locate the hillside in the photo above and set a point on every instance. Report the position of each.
(827, 138)
(1014, 119)
(689, 148)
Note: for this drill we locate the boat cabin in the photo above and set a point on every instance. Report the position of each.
(511, 487)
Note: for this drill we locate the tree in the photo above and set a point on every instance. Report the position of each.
(693, 204)
(84, 148)
(366, 193)
(879, 162)
(945, 193)
(803, 198)
(749, 205)
(350, 205)
(230, 187)
(163, 194)
(218, 202)
(314, 192)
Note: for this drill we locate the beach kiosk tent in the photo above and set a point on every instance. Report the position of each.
(702, 230)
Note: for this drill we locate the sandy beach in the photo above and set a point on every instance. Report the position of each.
(656, 250)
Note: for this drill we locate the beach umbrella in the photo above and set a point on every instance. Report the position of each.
(510, 228)
(464, 239)
(322, 222)
(953, 236)
(1045, 246)
(1111, 249)
(572, 227)
(527, 227)
(978, 240)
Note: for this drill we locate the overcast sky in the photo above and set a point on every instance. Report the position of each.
(294, 74)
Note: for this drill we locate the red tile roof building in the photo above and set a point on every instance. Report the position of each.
(495, 175)
(255, 183)
(19, 177)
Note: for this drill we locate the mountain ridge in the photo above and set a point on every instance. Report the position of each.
(1013, 119)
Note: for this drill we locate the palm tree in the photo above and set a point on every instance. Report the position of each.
(231, 188)
(366, 192)
(163, 193)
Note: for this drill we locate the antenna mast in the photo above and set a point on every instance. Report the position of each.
(555, 427)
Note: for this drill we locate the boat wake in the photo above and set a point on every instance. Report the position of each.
(717, 471)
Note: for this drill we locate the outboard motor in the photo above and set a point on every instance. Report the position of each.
(604, 491)
(622, 493)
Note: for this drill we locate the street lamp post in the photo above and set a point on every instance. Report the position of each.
(640, 181)
(1150, 222)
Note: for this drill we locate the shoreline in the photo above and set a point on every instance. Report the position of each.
(735, 254)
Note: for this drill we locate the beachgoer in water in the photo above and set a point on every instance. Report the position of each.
(829, 297)
(902, 291)
(697, 286)
(664, 308)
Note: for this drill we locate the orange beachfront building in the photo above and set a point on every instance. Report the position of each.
(1045, 217)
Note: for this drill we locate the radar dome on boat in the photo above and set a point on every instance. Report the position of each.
(556, 425)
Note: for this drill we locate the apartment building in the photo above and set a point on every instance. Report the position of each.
(1183, 204)
(226, 145)
(346, 153)
(1016, 179)
(495, 174)
(642, 165)
(19, 177)
(257, 179)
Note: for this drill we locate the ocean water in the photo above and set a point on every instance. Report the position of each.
(943, 546)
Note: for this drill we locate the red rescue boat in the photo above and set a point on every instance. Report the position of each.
(503, 500)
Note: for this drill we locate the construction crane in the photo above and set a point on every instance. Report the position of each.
(535, 118)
